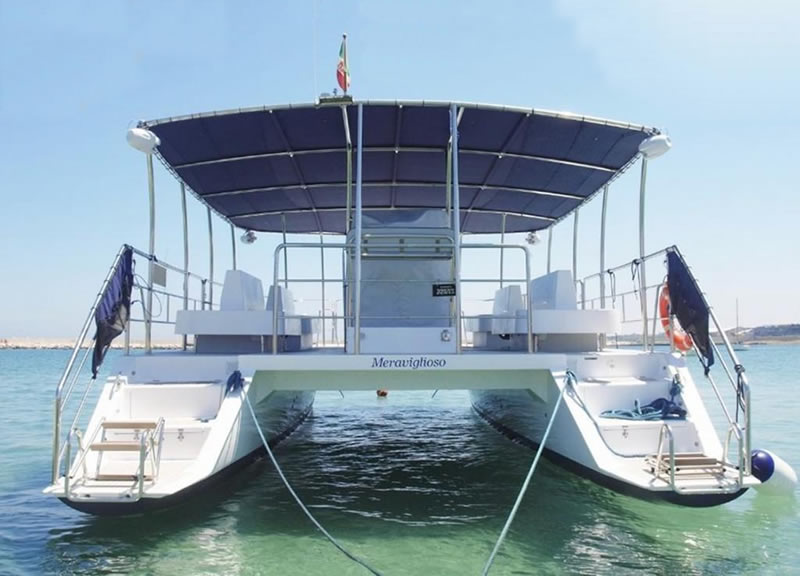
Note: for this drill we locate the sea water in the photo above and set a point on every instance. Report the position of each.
(412, 483)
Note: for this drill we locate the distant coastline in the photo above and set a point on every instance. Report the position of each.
(64, 344)
(118, 344)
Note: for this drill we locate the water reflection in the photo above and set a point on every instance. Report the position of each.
(416, 486)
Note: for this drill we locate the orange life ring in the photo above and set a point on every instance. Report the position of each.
(681, 339)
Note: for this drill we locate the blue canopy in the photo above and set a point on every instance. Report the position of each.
(272, 168)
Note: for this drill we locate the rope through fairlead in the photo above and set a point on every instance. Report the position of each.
(305, 510)
(569, 380)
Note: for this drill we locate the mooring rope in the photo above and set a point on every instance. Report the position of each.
(568, 381)
(305, 510)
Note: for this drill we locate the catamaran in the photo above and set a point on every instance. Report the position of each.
(406, 194)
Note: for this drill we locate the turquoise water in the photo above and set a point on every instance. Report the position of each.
(414, 485)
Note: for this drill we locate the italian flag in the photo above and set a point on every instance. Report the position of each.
(342, 70)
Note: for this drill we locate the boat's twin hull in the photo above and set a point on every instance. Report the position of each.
(279, 414)
(522, 416)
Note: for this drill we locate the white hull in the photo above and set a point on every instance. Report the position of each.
(617, 453)
(206, 433)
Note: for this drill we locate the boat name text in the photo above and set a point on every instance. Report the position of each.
(412, 362)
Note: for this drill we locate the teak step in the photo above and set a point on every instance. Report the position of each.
(129, 425)
(116, 446)
(687, 464)
(120, 477)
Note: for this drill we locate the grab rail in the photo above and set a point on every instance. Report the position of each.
(457, 316)
(75, 366)
(59, 404)
(666, 428)
(148, 442)
(736, 375)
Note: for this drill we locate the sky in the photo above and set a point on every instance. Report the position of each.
(720, 77)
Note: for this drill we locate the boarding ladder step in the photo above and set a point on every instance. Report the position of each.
(694, 464)
(121, 477)
(114, 446)
(129, 424)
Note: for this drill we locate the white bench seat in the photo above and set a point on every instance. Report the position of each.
(238, 323)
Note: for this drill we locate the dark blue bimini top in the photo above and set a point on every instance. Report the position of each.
(267, 168)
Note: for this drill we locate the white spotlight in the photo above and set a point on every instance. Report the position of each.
(248, 237)
(655, 146)
(143, 140)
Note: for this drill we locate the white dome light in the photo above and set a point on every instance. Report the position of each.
(655, 146)
(143, 140)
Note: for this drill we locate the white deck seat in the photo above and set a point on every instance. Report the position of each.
(554, 291)
(507, 303)
(241, 291)
(555, 311)
(242, 312)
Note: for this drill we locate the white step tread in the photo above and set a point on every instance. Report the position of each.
(121, 477)
(109, 446)
(129, 424)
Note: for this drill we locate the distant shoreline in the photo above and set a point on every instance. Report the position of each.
(61, 344)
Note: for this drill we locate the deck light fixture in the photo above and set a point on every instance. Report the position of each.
(143, 140)
(248, 237)
(655, 146)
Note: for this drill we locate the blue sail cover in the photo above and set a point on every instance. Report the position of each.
(113, 311)
(689, 306)
(269, 168)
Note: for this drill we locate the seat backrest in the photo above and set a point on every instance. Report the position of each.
(507, 303)
(241, 291)
(284, 299)
(554, 291)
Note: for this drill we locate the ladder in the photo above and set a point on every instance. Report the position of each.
(146, 439)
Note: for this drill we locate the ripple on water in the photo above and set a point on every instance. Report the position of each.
(413, 484)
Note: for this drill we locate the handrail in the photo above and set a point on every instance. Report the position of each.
(71, 362)
(666, 428)
(741, 385)
(150, 444)
(74, 367)
(456, 316)
(736, 375)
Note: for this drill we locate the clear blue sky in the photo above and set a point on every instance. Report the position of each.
(721, 77)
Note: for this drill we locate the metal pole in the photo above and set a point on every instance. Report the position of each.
(357, 266)
(603, 248)
(285, 254)
(210, 261)
(642, 279)
(502, 250)
(233, 245)
(529, 297)
(448, 180)
(549, 246)
(148, 320)
(185, 256)
(349, 193)
(575, 247)
(456, 221)
(322, 266)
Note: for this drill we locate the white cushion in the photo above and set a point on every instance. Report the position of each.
(241, 291)
(554, 291)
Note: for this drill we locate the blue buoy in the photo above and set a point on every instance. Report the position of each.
(762, 464)
(776, 476)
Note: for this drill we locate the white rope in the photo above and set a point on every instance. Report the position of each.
(305, 510)
(568, 380)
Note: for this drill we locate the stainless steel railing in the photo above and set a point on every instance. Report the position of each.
(75, 366)
(417, 248)
(724, 354)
